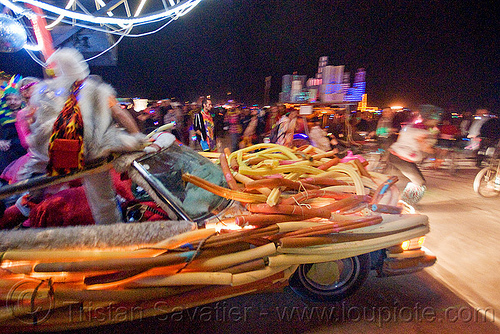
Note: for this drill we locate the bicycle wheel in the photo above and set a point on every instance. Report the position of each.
(485, 182)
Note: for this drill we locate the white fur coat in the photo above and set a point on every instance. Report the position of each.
(101, 135)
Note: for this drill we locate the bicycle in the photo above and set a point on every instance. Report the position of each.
(487, 180)
(375, 155)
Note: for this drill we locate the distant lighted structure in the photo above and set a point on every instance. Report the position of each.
(330, 84)
(363, 105)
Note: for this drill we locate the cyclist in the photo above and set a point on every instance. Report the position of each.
(489, 134)
(414, 140)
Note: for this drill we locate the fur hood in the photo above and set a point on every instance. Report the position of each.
(70, 64)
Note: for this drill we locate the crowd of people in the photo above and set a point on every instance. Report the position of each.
(408, 136)
(207, 127)
(204, 126)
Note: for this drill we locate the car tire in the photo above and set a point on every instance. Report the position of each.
(331, 281)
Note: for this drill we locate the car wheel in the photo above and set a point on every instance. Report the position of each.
(331, 281)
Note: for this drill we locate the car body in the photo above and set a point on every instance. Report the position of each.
(199, 264)
(400, 258)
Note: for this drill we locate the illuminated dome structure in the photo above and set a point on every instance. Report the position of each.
(116, 18)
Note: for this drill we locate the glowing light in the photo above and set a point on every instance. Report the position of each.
(421, 241)
(59, 19)
(16, 9)
(405, 245)
(177, 11)
(54, 23)
(140, 104)
(139, 9)
(7, 264)
(57, 276)
(33, 47)
(227, 226)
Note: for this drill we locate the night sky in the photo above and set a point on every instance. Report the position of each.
(435, 52)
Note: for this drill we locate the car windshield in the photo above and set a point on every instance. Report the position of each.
(166, 167)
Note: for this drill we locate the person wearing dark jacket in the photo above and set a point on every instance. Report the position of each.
(489, 134)
(203, 126)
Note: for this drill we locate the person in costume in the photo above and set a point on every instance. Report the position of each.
(10, 144)
(415, 139)
(24, 118)
(203, 126)
(74, 125)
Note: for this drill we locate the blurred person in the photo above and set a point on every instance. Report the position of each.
(25, 116)
(400, 118)
(218, 114)
(290, 126)
(320, 138)
(179, 112)
(203, 125)
(85, 103)
(286, 127)
(131, 109)
(245, 118)
(385, 131)
(163, 108)
(367, 125)
(480, 117)
(356, 134)
(11, 148)
(272, 118)
(465, 123)
(490, 136)
(275, 133)
(193, 110)
(232, 119)
(187, 122)
(24, 119)
(300, 124)
(261, 125)
(174, 115)
(413, 142)
(146, 119)
(448, 133)
(446, 141)
(249, 135)
(336, 125)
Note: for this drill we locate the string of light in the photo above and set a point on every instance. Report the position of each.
(108, 23)
(178, 10)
